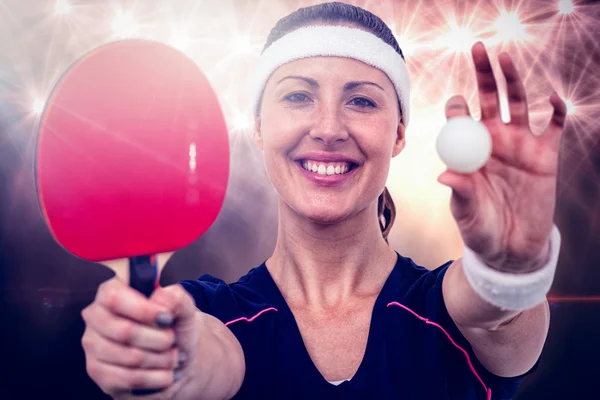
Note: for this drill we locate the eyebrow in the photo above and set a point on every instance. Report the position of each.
(353, 85)
(310, 81)
(313, 83)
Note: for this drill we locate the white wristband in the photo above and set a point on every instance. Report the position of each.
(512, 291)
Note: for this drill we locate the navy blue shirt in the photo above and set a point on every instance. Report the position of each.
(414, 349)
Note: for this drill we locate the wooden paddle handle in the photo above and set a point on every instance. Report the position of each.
(143, 275)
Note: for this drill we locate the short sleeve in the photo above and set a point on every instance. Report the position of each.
(227, 302)
(204, 290)
(501, 387)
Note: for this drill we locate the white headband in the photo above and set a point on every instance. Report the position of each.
(334, 41)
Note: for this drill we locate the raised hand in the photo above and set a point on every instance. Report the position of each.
(505, 210)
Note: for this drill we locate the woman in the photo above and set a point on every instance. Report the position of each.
(335, 312)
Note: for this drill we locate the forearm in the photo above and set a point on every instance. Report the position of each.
(226, 374)
(506, 342)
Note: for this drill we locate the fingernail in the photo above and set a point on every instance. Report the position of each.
(176, 375)
(182, 358)
(164, 319)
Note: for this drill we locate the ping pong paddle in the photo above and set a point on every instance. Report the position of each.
(132, 158)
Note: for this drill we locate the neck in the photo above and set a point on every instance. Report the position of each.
(323, 266)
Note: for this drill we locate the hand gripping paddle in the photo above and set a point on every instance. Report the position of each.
(132, 158)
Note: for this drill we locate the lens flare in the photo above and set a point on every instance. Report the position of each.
(37, 106)
(62, 7)
(566, 7)
(554, 44)
(124, 25)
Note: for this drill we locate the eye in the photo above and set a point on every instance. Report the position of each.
(297, 98)
(362, 102)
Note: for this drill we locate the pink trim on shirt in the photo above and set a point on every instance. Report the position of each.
(427, 321)
(250, 319)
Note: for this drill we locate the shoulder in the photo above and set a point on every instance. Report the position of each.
(415, 282)
(417, 291)
(230, 301)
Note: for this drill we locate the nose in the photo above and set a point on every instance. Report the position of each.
(329, 126)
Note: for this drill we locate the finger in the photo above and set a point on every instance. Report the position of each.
(123, 300)
(517, 97)
(463, 192)
(126, 331)
(486, 82)
(553, 132)
(456, 106)
(118, 354)
(116, 380)
(176, 300)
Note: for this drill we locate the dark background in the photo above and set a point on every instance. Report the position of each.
(43, 289)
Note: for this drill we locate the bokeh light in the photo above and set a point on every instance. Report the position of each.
(37, 107)
(180, 40)
(62, 7)
(571, 108)
(125, 25)
(566, 6)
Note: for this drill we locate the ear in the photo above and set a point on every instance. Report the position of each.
(257, 133)
(400, 139)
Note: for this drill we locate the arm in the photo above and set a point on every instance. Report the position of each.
(504, 212)
(507, 343)
(164, 343)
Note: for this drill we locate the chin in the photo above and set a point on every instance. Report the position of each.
(326, 218)
(324, 214)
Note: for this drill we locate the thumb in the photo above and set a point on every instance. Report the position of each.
(463, 192)
(177, 301)
(185, 317)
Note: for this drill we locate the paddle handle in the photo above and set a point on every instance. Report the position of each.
(143, 277)
(143, 274)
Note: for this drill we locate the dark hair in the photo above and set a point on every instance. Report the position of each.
(333, 13)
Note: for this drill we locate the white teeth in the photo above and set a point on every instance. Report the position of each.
(326, 169)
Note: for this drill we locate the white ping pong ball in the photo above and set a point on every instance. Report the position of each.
(464, 144)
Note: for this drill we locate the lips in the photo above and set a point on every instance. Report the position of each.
(326, 168)
(325, 179)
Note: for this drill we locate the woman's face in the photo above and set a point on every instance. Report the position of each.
(328, 127)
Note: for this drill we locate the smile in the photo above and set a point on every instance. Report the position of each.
(321, 168)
